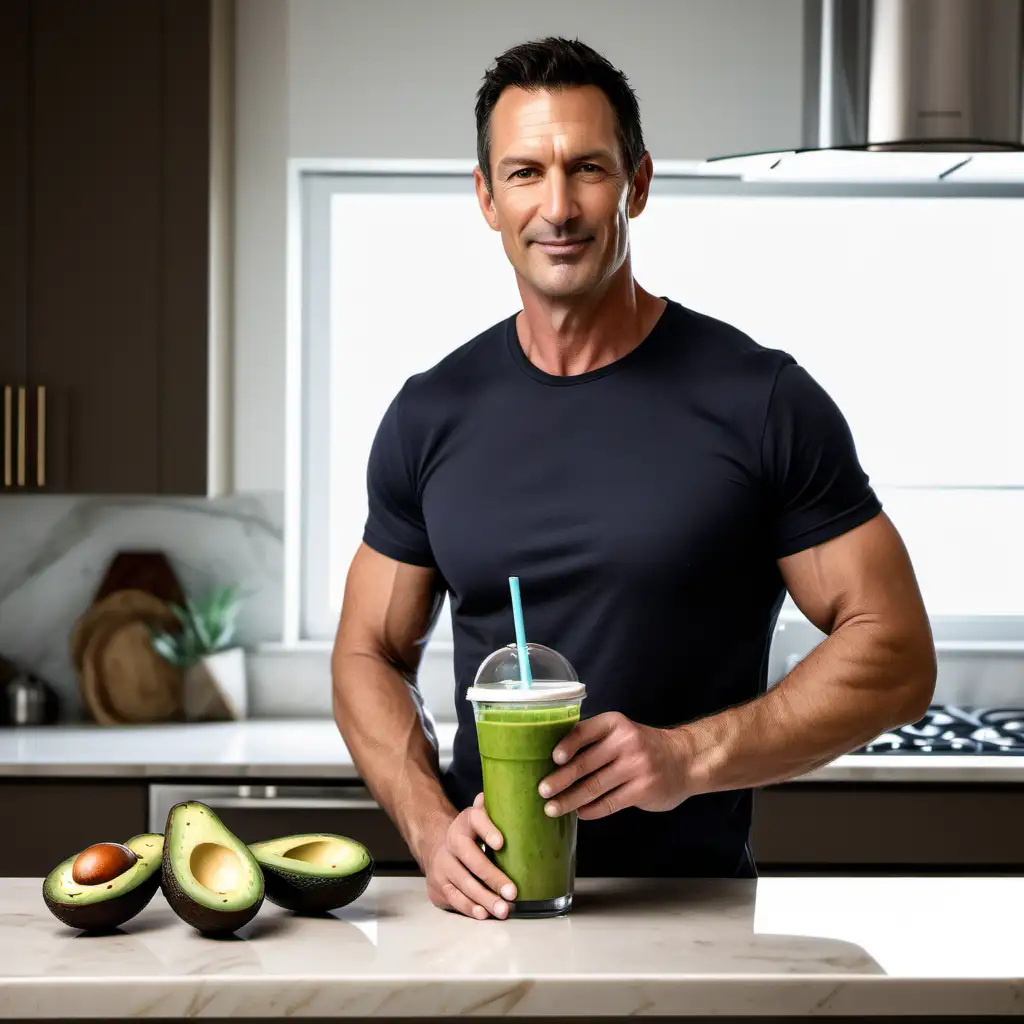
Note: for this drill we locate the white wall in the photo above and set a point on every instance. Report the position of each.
(261, 157)
(390, 78)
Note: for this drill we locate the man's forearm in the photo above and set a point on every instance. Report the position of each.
(380, 723)
(854, 685)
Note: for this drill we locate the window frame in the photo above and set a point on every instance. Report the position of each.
(310, 185)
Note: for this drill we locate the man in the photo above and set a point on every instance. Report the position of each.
(657, 480)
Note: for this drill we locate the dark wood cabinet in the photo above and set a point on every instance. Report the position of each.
(802, 828)
(14, 129)
(49, 820)
(888, 827)
(108, 191)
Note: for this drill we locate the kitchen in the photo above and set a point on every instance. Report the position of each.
(176, 452)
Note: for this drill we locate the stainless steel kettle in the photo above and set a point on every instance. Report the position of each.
(27, 699)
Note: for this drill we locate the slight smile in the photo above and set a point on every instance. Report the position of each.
(563, 248)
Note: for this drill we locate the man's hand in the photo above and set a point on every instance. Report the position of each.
(459, 872)
(610, 762)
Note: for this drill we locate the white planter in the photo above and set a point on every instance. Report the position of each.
(216, 687)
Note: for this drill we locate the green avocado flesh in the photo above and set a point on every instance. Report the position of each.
(108, 904)
(210, 879)
(314, 872)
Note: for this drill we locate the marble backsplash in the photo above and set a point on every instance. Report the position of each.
(55, 549)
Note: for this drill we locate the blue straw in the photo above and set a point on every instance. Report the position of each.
(525, 678)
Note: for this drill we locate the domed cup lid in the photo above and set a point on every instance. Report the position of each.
(499, 678)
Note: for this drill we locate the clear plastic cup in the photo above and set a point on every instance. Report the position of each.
(517, 729)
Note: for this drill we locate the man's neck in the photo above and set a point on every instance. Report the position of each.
(568, 339)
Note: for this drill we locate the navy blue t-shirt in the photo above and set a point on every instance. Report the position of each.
(643, 506)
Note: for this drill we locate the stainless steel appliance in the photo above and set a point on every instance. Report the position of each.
(25, 698)
(948, 729)
(887, 78)
(256, 812)
(919, 74)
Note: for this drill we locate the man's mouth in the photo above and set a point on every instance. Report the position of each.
(563, 248)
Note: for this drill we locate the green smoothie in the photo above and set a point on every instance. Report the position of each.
(539, 853)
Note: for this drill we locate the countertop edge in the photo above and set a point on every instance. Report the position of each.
(846, 768)
(298, 996)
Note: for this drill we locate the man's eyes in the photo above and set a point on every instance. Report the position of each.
(586, 168)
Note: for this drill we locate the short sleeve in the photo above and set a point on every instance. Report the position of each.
(816, 486)
(394, 524)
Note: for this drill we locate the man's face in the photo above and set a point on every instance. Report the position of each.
(558, 176)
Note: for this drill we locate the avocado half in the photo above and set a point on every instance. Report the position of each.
(314, 872)
(209, 878)
(109, 904)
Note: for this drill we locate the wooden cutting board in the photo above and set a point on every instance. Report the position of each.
(120, 606)
(137, 684)
(131, 680)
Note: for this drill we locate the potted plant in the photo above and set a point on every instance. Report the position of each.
(213, 665)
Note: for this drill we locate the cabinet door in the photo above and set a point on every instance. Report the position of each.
(62, 817)
(119, 249)
(95, 292)
(185, 246)
(902, 828)
(14, 34)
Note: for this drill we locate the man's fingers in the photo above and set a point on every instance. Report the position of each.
(590, 730)
(588, 790)
(594, 757)
(489, 873)
(610, 802)
(459, 901)
(463, 871)
(482, 825)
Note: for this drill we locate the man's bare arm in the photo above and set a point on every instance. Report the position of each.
(389, 609)
(875, 670)
(388, 612)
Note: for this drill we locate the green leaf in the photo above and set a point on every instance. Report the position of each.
(181, 615)
(202, 632)
(208, 622)
(165, 647)
(224, 636)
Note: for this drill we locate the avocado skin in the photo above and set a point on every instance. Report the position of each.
(206, 921)
(305, 894)
(110, 913)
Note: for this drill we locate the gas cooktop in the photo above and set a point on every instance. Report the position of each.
(946, 729)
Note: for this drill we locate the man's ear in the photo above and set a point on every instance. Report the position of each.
(636, 197)
(485, 199)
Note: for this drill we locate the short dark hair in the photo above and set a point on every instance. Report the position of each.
(557, 63)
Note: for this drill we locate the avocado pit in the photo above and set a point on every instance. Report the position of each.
(106, 884)
(102, 862)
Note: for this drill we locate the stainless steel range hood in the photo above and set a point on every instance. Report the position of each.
(907, 89)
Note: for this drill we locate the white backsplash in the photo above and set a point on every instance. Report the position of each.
(54, 551)
(297, 684)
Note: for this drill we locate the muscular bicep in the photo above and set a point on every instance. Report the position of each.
(864, 573)
(389, 609)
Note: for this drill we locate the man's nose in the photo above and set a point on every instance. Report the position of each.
(559, 205)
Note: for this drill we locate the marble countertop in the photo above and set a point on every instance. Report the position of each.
(771, 946)
(312, 748)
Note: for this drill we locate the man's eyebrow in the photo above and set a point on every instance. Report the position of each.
(594, 154)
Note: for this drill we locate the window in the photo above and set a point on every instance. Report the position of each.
(905, 304)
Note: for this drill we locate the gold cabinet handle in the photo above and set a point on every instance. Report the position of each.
(8, 436)
(41, 435)
(21, 436)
